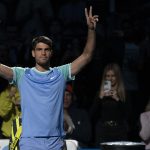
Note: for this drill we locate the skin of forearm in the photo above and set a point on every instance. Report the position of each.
(90, 44)
(87, 53)
(6, 72)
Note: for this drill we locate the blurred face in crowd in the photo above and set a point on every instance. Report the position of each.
(67, 99)
(42, 54)
(13, 89)
(110, 75)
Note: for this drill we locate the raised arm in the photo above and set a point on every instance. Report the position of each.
(6, 72)
(87, 53)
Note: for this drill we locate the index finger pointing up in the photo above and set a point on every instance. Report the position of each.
(90, 12)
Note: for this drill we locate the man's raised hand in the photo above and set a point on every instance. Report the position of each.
(91, 19)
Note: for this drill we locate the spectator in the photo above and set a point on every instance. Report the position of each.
(108, 113)
(81, 128)
(9, 108)
(145, 126)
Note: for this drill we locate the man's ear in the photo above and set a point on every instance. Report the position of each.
(33, 53)
(51, 52)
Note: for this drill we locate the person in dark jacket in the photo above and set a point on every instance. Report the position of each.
(80, 126)
(108, 113)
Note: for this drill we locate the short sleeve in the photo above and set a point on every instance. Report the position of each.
(17, 74)
(66, 71)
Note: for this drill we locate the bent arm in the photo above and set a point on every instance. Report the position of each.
(6, 72)
(86, 56)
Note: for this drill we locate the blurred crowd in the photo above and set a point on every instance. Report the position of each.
(122, 38)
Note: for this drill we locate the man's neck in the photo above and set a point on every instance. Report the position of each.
(42, 68)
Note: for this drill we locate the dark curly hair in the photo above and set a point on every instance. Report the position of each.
(42, 39)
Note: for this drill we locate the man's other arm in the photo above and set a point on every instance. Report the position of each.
(87, 53)
(6, 72)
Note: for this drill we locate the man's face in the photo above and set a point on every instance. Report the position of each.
(67, 99)
(42, 54)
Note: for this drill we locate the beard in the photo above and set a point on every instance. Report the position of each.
(45, 63)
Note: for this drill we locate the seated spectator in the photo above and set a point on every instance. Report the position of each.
(80, 128)
(9, 108)
(145, 126)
